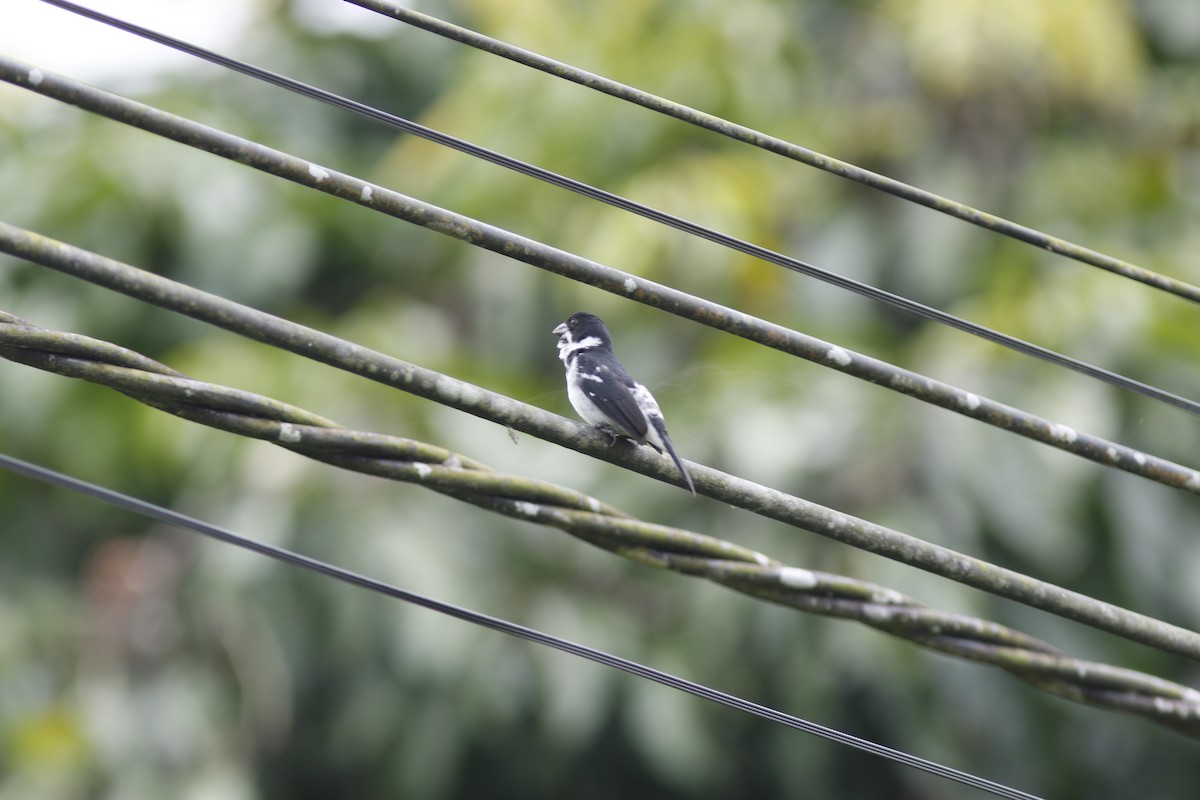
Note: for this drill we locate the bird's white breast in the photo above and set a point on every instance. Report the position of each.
(577, 394)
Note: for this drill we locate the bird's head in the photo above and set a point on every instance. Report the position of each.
(582, 331)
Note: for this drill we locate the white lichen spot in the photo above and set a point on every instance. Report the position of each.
(367, 194)
(36, 77)
(288, 433)
(797, 578)
(836, 355)
(423, 470)
(527, 508)
(453, 462)
(889, 596)
(594, 505)
(470, 395)
(969, 401)
(447, 388)
(761, 559)
(877, 612)
(1163, 706)
(1193, 483)
(1140, 458)
(630, 285)
(1112, 455)
(318, 173)
(1062, 433)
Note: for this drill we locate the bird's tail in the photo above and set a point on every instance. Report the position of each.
(661, 430)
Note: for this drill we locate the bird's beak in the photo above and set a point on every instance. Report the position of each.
(560, 329)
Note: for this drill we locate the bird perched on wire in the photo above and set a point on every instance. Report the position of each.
(604, 394)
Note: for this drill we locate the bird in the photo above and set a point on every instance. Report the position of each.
(604, 394)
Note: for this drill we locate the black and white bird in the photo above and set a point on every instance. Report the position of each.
(604, 394)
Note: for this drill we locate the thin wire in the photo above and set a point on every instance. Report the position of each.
(171, 517)
(661, 217)
(781, 147)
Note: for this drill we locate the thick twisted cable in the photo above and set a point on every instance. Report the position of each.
(589, 520)
(661, 217)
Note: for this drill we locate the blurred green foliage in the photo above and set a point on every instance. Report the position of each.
(139, 662)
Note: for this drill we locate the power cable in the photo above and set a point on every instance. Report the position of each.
(661, 217)
(176, 519)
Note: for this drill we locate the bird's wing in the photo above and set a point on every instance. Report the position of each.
(614, 396)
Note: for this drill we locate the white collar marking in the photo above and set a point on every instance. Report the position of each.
(565, 350)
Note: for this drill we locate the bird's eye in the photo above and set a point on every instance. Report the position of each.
(572, 322)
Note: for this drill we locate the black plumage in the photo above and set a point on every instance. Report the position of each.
(604, 394)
